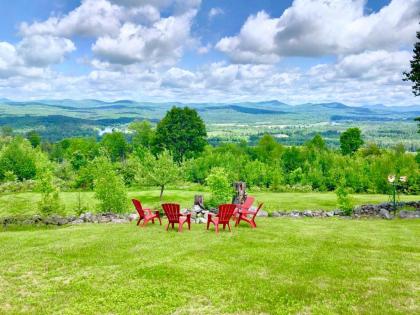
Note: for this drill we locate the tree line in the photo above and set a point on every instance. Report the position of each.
(176, 150)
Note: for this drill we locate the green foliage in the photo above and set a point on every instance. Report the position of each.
(350, 141)
(220, 187)
(143, 135)
(50, 200)
(18, 157)
(34, 138)
(268, 149)
(158, 171)
(182, 132)
(109, 186)
(414, 74)
(115, 145)
(344, 200)
(80, 207)
(317, 142)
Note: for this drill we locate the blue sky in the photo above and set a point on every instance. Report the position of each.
(352, 51)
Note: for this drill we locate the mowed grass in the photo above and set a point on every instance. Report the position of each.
(26, 203)
(285, 266)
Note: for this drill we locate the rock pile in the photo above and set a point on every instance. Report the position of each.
(384, 210)
(87, 217)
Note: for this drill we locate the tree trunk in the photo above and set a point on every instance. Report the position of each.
(161, 191)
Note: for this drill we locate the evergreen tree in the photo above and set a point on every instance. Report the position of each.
(414, 74)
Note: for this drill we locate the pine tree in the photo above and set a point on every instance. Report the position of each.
(414, 74)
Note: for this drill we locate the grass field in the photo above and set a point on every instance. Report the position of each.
(26, 203)
(305, 266)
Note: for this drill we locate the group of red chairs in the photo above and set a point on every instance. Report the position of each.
(227, 212)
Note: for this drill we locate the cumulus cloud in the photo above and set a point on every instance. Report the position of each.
(255, 42)
(137, 45)
(44, 50)
(125, 31)
(160, 43)
(328, 27)
(91, 18)
(31, 55)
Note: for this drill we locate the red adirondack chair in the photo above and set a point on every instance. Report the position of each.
(243, 207)
(172, 211)
(248, 216)
(145, 214)
(223, 217)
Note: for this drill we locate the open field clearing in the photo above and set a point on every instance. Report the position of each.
(306, 266)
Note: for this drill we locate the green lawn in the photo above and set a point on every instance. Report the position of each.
(26, 203)
(298, 266)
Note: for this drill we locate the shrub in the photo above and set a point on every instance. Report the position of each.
(292, 188)
(344, 200)
(80, 207)
(18, 157)
(221, 189)
(109, 186)
(50, 199)
(16, 186)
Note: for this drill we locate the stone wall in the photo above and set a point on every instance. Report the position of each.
(383, 210)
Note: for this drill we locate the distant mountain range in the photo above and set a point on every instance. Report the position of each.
(127, 110)
(56, 119)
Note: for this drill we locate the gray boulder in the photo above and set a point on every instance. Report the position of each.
(117, 220)
(383, 213)
(77, 221)
(407, 214)
(308, 213)
(262, 213)
(133, 217)
(55, 220)
(330, 213)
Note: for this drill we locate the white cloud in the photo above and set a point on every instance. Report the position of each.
(91, 18)
(255, 42)
(215, 12)
(327, 27)
(125, 31)
(44, 50)
(162, 43)
(137, 45)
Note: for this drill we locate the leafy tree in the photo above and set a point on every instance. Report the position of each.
(34, 138)
(182, 132)
(19, 157)
(143, 134)
(350, 141)
(109, 186)
(343, 200)
(158, 171)
(50, 200)
(220, 187)
(292, 159)
(317, 142)
(414, 74)
(115, 145)
(268, 149)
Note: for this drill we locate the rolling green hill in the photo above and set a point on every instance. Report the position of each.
(292, 125)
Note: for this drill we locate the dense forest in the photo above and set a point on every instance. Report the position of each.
(177, 151)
